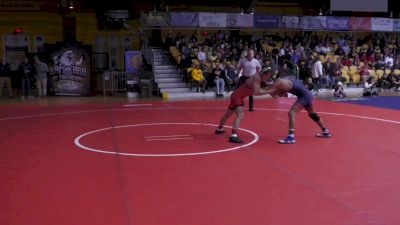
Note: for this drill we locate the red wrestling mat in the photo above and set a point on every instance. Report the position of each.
(161, 164)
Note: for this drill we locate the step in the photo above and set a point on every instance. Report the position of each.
(163, 67)
(175, 90)
(196, 95)
(169, 80)
(172, 85)
(167, 75)
(165, 72)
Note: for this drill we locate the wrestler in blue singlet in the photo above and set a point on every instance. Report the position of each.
(304, 96)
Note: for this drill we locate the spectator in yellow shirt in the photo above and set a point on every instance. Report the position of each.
(198, 78)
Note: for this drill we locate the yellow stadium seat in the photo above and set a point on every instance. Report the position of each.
(345, 68)
(388, 71)
(344, 72)
(353, 68)
(322, 58)
(397, 71)
(372, 72)
(335, 58)
(380, 73)
(356, 78)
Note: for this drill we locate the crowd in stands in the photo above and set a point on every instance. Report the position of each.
(321, 60)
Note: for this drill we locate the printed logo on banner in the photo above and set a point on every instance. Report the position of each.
(313, 23)
(70, 72)
(132, 61)
(239, 20)
(382, 24)
(184, 19)
(266, 21)
(360, 23)
(396, 25)
(212, 19)
(290, 22)
(337, 23)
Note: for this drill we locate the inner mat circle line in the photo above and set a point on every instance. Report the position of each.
(78, 144)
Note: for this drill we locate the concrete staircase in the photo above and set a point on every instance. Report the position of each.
(167, 76)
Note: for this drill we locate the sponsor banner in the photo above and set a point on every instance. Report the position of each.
(289, 22)
(239, 20)
(382, 24)
(396, 25)
(313, 23)
(132, 61)
(70, 71)
(155, 19)
(212, 19)
(360, 23)
(266, 21)
(337, 23)
(184, 19)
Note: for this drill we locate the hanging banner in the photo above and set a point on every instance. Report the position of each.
(132, 61)
(70, 72)
(360, 23)
(212, 19)
(289, 22)
(313, 22)
(184, 19)
(337, 23)
(239, 20)
(382, 24)
(155, 19)
(266, 21)
(396, 25)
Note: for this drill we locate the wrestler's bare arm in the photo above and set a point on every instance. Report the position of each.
(256, 83)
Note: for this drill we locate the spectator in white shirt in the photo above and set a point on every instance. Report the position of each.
(316, 71)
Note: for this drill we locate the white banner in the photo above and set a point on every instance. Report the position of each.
(382, 24)
(239, 20)
(212, 19)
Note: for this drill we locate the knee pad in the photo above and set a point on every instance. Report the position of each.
(314, 116)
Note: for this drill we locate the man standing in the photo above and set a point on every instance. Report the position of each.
(249, 67)
(41, 76)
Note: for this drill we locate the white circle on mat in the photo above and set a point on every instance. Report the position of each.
(77, 141)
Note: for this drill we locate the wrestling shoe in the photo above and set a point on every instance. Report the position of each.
(235, 140)
(324, 134)
(220, 131)
(288, 140)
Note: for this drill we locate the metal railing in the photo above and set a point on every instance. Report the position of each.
(117, 81)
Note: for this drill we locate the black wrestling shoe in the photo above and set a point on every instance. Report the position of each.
(235, 140)
(220, 131)
(251, 109)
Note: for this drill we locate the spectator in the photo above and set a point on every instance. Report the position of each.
(394, 81)
(339, 91)
(219, 80)
(284, 71)
(316, 71)
(198, 78)
(26, 71)
(231, 76)
(41, 76)
(370, 87)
